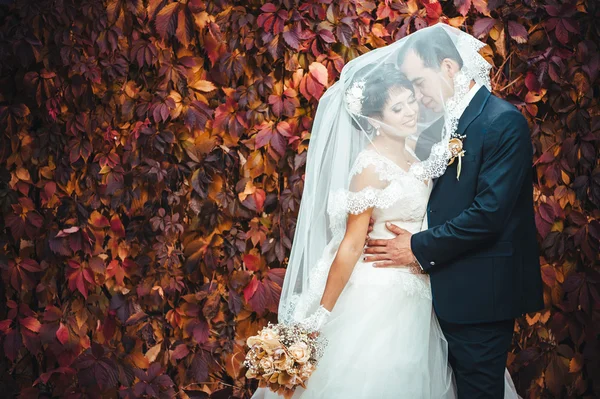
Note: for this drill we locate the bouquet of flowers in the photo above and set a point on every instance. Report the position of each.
(283, 356)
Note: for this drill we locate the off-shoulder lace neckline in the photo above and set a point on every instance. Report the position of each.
(386, 159)
(394, 164)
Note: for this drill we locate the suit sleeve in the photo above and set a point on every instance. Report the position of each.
(507, 156)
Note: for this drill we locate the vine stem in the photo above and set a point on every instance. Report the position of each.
(512, 83)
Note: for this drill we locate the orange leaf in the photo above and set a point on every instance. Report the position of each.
(139, 360)
(576, 364)
(153, 352)
(31, 323)
(203, 85)
(98, 220)
(23, 174)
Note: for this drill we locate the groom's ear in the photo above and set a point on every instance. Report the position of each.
(449, 67)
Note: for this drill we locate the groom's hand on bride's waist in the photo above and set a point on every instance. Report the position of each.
(393, 252)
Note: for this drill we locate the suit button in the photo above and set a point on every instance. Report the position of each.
(432, 263)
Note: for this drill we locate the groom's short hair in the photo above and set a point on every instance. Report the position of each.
(432, 45)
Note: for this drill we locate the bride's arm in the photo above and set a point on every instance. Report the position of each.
(348, 253)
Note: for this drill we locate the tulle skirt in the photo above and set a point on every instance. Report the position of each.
(384, 342)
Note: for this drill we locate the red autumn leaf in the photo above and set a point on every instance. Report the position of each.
(180, 352)
(260, 299)
(117, 227)
(252, 262)
(115, 270)
(434, 11)
(259, 197)
(77, 276)
(314, 82)
(251, 289)
(228, 69)
(284, 104)
(166, 20)
(532, 82)
(291, 35)
(276, 275)
(201, 331)
(268, 134)
(229, 119)
(62, 334)
(31, 324)
(266, 293)
(196, 114)
(185, 28)
(327, 36)
(272, 20)
(5, 325)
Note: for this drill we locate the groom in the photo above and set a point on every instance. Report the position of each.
(480, 249)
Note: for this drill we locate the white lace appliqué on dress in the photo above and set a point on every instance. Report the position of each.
(399, 197)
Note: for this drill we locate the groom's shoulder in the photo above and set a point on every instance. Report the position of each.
(505, 120)
(499, 109)
(500, 105)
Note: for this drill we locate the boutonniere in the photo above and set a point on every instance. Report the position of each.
(456, 151)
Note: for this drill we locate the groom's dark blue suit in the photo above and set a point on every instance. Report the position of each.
(481, 249)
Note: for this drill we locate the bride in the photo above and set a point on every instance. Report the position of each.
(384, 340)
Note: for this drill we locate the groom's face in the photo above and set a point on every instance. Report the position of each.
(432, 86)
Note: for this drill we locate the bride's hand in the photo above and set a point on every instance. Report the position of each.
(318, 319)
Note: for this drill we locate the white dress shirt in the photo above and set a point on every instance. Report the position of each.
(470, 94)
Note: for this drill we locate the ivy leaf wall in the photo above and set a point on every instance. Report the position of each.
(152, 157)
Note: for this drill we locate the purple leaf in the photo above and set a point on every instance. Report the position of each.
(483, 26)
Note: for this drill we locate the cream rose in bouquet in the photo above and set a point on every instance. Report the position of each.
(282, 357)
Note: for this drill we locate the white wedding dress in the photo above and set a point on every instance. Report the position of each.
(384, 340)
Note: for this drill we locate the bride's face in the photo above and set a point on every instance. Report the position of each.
(401, 112)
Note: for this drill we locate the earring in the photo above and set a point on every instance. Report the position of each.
(377, 132)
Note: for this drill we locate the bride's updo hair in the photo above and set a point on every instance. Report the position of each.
(379, 81)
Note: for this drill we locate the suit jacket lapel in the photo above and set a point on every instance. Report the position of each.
(471, 113)
(473, 110)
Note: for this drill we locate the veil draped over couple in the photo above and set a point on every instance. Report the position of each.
(415, 247)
